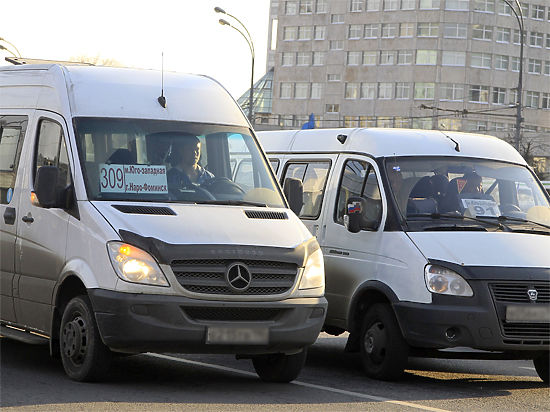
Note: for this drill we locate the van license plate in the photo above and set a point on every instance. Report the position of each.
(237, 336)
(528, 314)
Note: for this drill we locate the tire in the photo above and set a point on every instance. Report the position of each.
(542, 366)
(384, 352)
(279, 367)
(84, 356)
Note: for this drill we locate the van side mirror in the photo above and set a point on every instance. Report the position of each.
(294, 193)
(45, 186)
(352, 219)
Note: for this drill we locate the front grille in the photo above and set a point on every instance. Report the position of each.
(145, 210)
(527, 330)
(517, 292)
(257, 214)
(208, 276)
(232, 314)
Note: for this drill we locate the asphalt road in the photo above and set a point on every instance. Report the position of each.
(331, 381)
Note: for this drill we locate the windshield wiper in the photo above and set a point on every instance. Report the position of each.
(460, 217)
(518, 219)
(230, 202)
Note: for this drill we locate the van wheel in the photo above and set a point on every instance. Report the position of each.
(542, 366)
(384, 352)
(278, 367)
(84, 356)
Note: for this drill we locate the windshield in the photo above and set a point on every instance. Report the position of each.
(469, 188)
(165, 161)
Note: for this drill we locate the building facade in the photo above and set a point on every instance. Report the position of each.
(434, 64)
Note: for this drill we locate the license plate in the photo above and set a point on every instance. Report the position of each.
(528, 314)
(237, 336)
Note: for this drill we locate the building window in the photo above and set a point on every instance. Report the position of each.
(499, 95)
(332, 108)
(321, 6)
(513, 97)
(291, 8)
(387, 57)
(482, 32)
(337, 18)
(356, 5)
(320, 32)
(484, 6)
(504, 9)
(373, 5)
(514, 64)
(287, 59)
(537, 12)
(408, 4)
(426, 57)
(455, 31)
(316, 90)
(289, 33)
(303, 58)
(351, 91)
(452, 91)
(336, 45)
(547, 68)
(406, 29)
(306, 6)
(336, 77)
(355, 31)
(301, 91)
(318, 58)
(532, 100)
(429, 4)
(404, 57)
(371, 31)
(286, 90)
(453, 58)
(402, 90)
(479, 94)
(481, 60)
(354, 58)
(501, 62)
(535, 66)
(516, 37)
(536, 39)
(456, 4)
(548, 34)
(370, 58)
(385, 90)
(305, 32)
(423, 123)
(391, 5)
(503, 35)
(427, 29)
(424, 91)
(368, 91)
(546, 100)
(389, 30)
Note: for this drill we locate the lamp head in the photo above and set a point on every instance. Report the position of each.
(219, 10)
(224, 22)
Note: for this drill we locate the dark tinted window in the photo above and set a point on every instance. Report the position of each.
(52, 151)
(12, 132)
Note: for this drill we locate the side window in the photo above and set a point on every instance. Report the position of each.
(314, 177)
(359, 180)
(12, 132)
(51, 151)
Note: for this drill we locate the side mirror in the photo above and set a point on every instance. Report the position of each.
(45, 186)
(294, 193)
(352, 220)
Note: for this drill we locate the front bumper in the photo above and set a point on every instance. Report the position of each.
(135, 323)
(477, 322)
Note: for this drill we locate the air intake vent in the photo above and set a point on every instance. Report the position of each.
(254, 214)
(145, 210)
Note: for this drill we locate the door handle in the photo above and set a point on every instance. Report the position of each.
(9, 216)
(28, 218)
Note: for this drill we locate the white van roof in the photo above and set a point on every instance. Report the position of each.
(95, 91)
(383, 142)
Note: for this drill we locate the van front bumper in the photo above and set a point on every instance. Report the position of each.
(135, 323)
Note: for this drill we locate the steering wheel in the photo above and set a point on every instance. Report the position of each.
(223, 185)
(509, 208)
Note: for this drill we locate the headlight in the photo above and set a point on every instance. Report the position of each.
(314, 272)
(135, 265)
(446, 282)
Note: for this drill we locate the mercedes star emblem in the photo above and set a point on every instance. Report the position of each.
(238, 277)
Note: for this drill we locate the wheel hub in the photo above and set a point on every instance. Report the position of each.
(75, 339)
(375, 342)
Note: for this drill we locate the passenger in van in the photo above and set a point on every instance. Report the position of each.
(473, 184)
(184, 158)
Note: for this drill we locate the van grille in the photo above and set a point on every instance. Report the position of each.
(517, 292)
(232, 314)
(527, 330)
(208, 276)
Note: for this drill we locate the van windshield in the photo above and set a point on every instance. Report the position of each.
(166, 161)
(473, 190)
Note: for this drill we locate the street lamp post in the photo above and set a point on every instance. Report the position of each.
(11, 45)
(248, 39)
(520, 80)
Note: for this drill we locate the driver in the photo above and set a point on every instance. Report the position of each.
(184, 158)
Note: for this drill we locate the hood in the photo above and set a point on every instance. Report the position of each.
(485, 249)
(208, 224)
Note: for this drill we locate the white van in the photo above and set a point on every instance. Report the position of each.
(431, 241)
(106, 246)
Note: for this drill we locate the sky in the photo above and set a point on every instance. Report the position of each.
(136, 32)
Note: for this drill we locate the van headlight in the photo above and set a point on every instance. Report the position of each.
(135, 265)
(446, 282)
(314, 272)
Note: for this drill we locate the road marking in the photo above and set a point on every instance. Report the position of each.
(299, 383)
(527, 367)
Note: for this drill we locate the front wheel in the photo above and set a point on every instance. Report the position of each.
(84, 355)
(384, 352)
(542, 366)
(279, 367)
